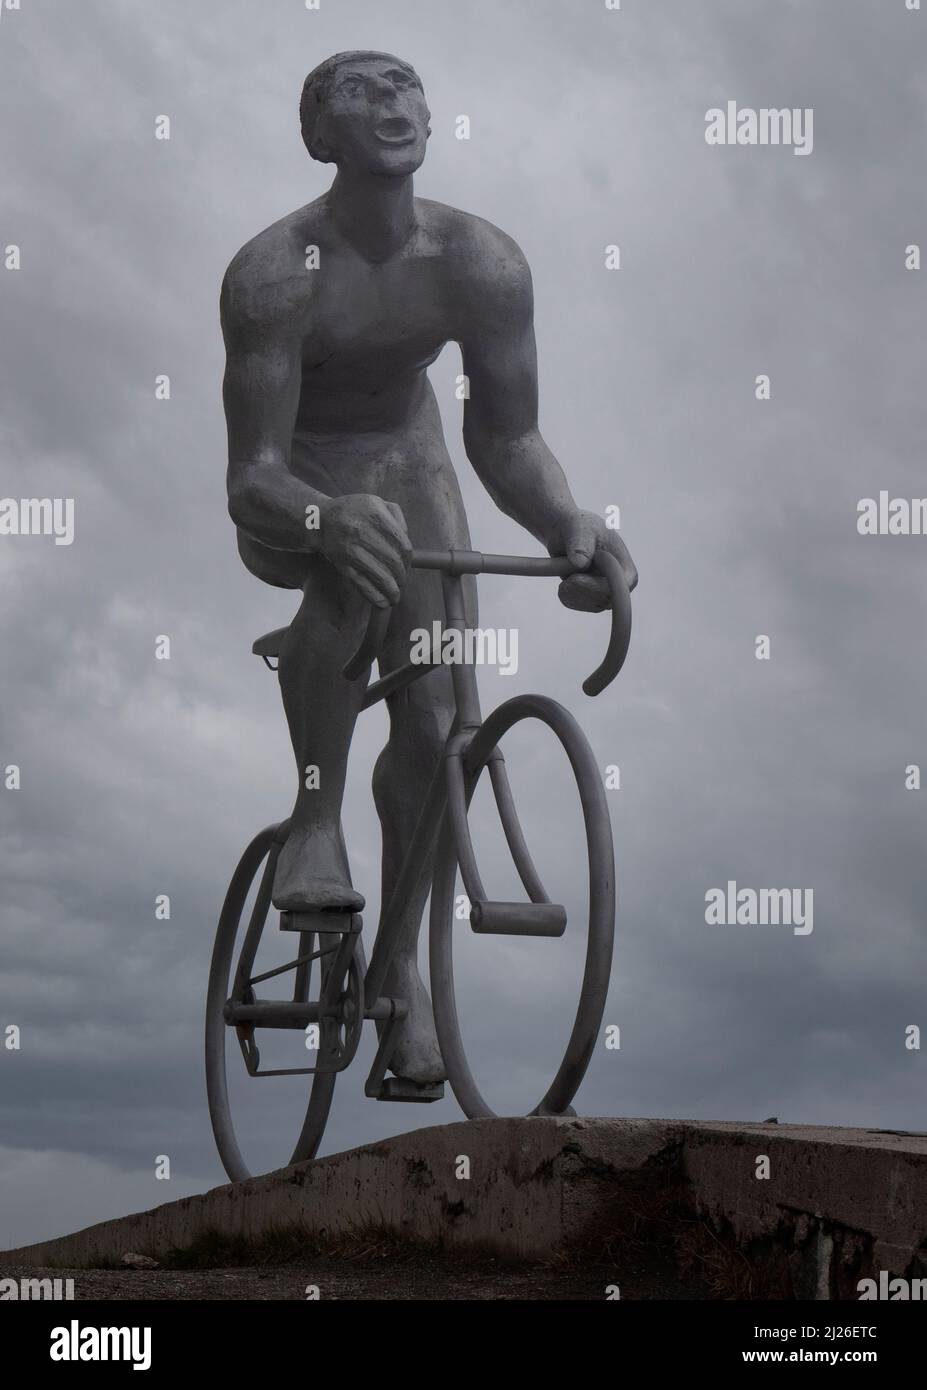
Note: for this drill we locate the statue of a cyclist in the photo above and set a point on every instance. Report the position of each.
(331, 318)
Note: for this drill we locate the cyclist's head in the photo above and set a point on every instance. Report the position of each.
(365, 111)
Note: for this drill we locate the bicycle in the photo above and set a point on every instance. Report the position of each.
(350, 991)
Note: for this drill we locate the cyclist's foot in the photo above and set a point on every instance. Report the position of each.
(416, 1056)
(310, 878)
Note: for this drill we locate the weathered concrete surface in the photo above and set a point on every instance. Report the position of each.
(837, 1203)
(519, 1198)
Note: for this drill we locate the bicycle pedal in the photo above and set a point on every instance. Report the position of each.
(518, 919)
(333, 920)
(398, 1088)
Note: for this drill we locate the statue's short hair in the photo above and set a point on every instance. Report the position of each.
(315, 92)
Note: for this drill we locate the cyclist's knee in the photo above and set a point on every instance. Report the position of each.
(418, 732)
(424, 724)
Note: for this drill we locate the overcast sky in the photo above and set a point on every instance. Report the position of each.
(142, 777)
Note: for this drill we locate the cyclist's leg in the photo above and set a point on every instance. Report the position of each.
(420, 719)
(321, 707)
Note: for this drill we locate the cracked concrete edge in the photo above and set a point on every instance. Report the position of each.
(867, 1189)
(540, 1185)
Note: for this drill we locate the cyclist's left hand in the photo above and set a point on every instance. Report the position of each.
(577, 537)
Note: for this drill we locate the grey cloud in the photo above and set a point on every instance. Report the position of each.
(141, 777)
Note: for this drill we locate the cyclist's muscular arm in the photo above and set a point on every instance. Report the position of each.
(501, 434)
(364, 537)
(500, 426)
(261, 396)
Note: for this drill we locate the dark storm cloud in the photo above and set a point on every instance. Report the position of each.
(143, 777)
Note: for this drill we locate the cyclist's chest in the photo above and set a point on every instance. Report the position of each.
(374, 321)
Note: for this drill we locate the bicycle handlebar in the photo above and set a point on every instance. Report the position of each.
(458, 562)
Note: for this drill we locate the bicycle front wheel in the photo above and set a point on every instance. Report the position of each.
(454, 848)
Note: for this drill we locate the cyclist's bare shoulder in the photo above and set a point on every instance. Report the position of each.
(267, 281)
(483, 266)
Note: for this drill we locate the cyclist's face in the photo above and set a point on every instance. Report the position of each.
(375, 118)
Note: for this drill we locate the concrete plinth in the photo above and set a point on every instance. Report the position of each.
(837, 1204)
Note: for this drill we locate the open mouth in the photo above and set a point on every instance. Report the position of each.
(396, 130)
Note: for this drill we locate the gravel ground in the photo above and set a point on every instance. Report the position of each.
(379, 1277)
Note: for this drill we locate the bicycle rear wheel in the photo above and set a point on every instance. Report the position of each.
(229, 981)
(543, 918)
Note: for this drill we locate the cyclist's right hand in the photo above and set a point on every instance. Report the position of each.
(366, 540)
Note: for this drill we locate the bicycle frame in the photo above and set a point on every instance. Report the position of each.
(440, 848)
(453, 769)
